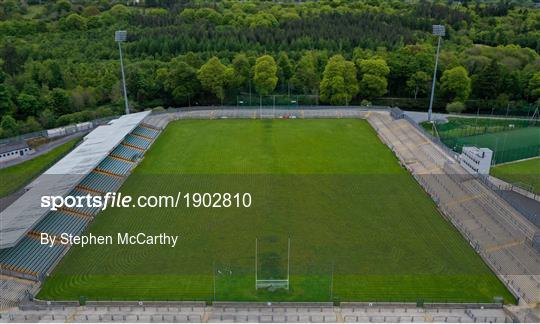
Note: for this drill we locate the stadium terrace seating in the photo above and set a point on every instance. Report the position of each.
(57, 222)
(126, 152)
(30, 257)
(116, 166)
(136, 141)
(101, 182)
(13, 291)
(145, 131)
(500, 235)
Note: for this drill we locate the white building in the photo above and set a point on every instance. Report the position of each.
(14, 151)
(476, 160)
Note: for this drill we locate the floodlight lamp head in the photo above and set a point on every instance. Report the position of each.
(120, 36)
(439, 30)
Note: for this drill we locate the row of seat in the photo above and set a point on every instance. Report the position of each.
(57, 222)
(116, 166)
(127, 153)
(30, 257)
(145, 131)
(101, 182)
(137, 141)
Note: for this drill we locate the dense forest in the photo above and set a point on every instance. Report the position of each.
(60, 64)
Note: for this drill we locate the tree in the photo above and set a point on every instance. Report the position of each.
(242, 70)
(534, 85)
(47, 118)
(29, 126)
(9, 126)
(376, 66)
(456, 84)
(7, 9)
(305, 75)
(339, 84)
(48, 48)
(208, 14)
(5, 97)
(59, 101)
(5, 100)
(82, 98)
(372, 86)
(12, 57)
(418, 83)
(181, 81)
(284, 69)
(27, 105)
(373, 83)
(455, 107)
(62, 6)
(119, 11)
(488, 82)
(264, 75)
(73, 22)
(213, 76)
(90, 11)
(55, 78)
(262, 19)
(405, 63)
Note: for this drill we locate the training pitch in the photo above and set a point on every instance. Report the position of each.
(522, 173)
(361, 228)
(508, 145)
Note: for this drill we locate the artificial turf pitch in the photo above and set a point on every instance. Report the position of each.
(507, 146)
(361, 228)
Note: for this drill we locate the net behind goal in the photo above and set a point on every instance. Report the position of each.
(272, 264)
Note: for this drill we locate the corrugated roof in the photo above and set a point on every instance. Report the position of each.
(21, 216)
(12, 146)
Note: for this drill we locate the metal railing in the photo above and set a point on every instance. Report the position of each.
(437, 141)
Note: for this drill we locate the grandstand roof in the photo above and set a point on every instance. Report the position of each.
(21, 216)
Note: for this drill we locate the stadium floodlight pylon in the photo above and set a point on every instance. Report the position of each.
(120, 36)
(272, 283)
(440, 31)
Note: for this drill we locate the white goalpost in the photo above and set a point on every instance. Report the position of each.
(272, 283)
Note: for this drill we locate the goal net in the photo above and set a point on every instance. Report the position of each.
(272, 263)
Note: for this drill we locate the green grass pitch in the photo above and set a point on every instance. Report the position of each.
(361, 228)
(14, 177)
(520, 172)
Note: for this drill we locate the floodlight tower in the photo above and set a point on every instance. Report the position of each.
(440, 31)
(120, 36)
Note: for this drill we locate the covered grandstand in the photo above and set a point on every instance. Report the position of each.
(98, 165)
